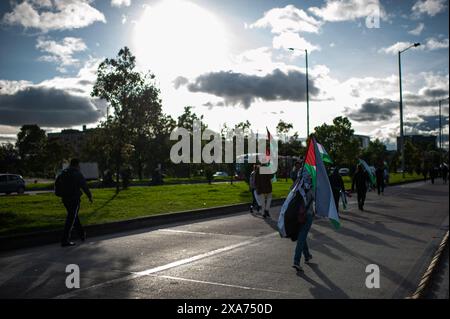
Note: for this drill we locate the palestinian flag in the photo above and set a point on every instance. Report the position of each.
(325, 205)
(272, 148)
(369, 171)
(325, 157)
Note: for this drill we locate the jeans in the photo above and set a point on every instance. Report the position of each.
(302, 245)
(72, 221)
(265, 200)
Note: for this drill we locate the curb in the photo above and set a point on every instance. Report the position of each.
(428, 275)
(54, 236)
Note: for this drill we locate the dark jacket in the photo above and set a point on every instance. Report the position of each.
(379, 173)
(360, 179)
(336, 182)
(74, 182)
(263, 183)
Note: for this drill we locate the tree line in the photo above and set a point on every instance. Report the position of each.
(135, 135)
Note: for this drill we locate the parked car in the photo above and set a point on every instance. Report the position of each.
(344, 171)
(220, 174)
(11, 183)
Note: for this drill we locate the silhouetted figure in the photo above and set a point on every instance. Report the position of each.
(126, 177)
(337, 186)
(379, 173)
(157, 177)
(68, 186)
(444, 173)
(433, 174)
(360, 180)
(425, 174)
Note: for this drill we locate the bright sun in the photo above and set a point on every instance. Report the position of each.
(176, 37)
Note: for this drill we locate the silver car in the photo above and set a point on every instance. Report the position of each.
(11, 183)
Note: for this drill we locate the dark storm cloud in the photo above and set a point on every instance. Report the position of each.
(238, 88)
(47, 107)
(429, 98)
(428, 123)
(435, 93)
(373, 109)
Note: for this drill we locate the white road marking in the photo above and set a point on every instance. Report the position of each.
(151, 271)
(187, 232)
(221, 284)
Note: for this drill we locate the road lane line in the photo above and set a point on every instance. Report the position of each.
(222, 284)
(135, 275)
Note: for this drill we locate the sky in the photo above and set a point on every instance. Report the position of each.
(231, 61)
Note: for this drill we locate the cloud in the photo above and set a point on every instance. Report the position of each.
(430, 44)
(427, 123)
(373, 109)
(417, 30)
(243, 89)
(429, 7)
(348, 10)
(288, 19)
(120, 3)
(57, 15)
(61, 52)
(47, 107)
(287, 40)
(180, 81)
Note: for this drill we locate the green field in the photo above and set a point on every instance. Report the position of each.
(27, 213)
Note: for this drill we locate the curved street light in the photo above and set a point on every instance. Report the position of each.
(307, 89)
(402, 141)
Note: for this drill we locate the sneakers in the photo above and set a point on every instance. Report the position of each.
(308, 258)
(67, 244)
(266, 214)
(251, 209)
(298, 268)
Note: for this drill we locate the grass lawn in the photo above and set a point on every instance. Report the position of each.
(27, 213)
(19, 214)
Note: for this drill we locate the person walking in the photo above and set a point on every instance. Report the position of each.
(69, 186)
(252, 185)
(433, 174)
(337, 185)
(263, 183)
(360, 180)
(444, 173)
(306, 222)
(379, 174)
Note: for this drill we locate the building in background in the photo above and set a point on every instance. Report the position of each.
(363, 139)
(71, 138)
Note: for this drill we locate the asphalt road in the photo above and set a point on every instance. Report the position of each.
(242, 256)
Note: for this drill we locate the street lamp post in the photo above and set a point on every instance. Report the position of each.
(307, 90)
(402, 140)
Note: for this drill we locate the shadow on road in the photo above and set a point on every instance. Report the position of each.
(320, 291)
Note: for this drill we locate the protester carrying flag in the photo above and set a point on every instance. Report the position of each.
(369, 172)
(297, 212)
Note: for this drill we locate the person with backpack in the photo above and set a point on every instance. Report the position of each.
(69, 186)
(305, 219)
(263, 183)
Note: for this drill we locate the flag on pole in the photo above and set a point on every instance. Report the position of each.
(325, 205)
(323, 153)
(324, 200)
(271, 149)
(369, 171)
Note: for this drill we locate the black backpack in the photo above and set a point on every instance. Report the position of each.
(61, 182)
(295, 216)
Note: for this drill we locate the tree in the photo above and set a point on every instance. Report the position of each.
(31, 142)
(339, 141)
(375, 153)
(136, 104)
(9, 158)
